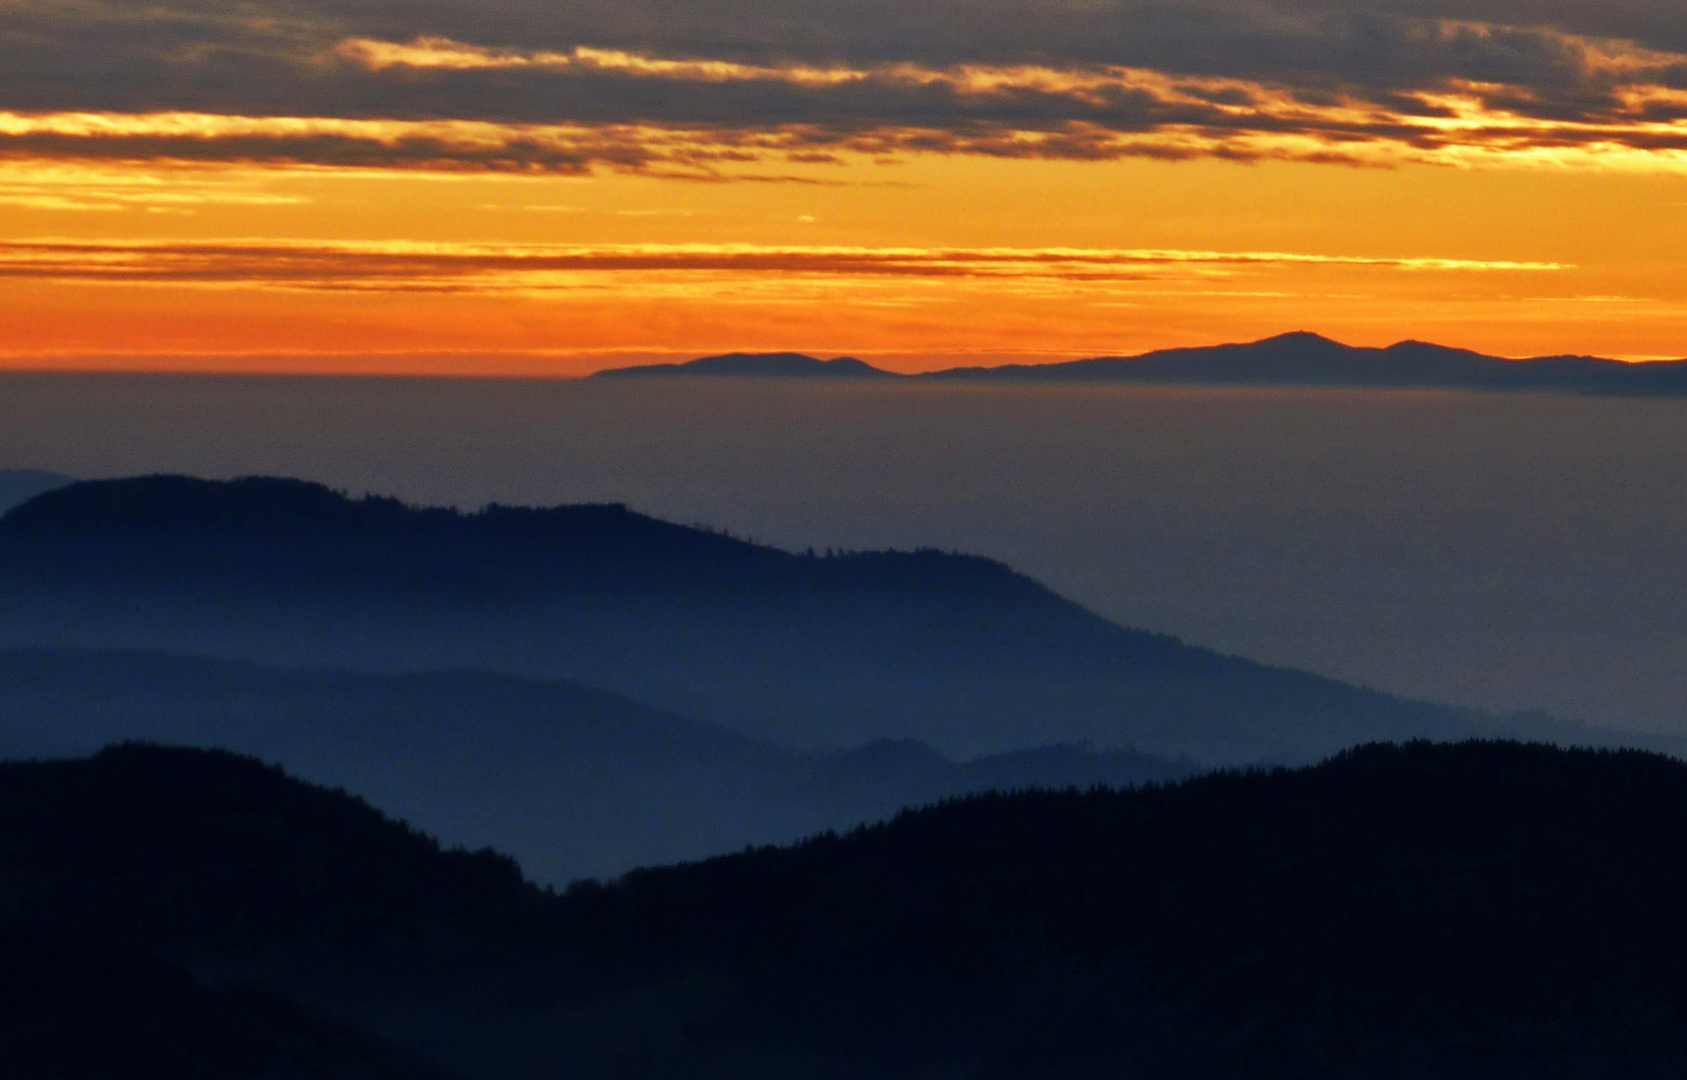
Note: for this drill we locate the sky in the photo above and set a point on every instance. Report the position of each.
(435, 186)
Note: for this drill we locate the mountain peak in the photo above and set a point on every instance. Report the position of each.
(1296, 337)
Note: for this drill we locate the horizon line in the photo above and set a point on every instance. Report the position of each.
(457, 363)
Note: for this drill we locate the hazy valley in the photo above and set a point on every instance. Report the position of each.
(1506, 551)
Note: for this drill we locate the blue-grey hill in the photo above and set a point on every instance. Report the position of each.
(811, 651)
(573, 782)
(783, 365)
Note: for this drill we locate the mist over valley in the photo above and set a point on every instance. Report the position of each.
(1509, 552)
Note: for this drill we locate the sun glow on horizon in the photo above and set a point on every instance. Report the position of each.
(930, 211)
(926, 263)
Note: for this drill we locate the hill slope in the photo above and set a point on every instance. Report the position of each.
(814, 651)
(1478, 910)
(573, 782)
(21, 485)
(125, 873)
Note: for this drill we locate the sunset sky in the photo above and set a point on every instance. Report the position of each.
(527, 187)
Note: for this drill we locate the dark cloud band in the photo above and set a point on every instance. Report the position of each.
(493, 268)
(692, 87)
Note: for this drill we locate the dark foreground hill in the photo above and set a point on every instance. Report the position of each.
(1472, 911)
(193, 913)
(78, 1007)
(573, 782)
(811, 650)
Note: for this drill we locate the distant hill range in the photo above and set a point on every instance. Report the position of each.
(1472, 912)
(811, 651)
(573, 782)
(1295, 359)
(764, 365)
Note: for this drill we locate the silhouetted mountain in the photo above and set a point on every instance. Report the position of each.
(573, 782)
(761, 365)
(1482, 910)
(1293, 359)
(229, 871)
(815, 651)
(1303, 359)
(20, 485)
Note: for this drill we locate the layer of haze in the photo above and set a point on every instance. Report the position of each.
(1509, 550)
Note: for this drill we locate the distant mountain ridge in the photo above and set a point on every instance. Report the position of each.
(573, 782)
(1293, 359)
(785, 365)
(810, 651)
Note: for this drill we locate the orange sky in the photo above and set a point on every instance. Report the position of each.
(126, 243)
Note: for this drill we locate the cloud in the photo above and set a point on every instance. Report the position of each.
(439, 267)
(693, 87)
(58, 186)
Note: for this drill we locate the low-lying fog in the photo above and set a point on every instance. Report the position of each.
(1511, 551)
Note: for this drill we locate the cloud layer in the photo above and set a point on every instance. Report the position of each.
(439, 267)
(705, 86)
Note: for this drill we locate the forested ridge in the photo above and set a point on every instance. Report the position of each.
(1470, 910)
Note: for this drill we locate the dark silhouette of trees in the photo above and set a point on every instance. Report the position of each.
(1476, 910)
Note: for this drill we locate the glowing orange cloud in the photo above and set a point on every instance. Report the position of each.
(565, 309)
(391, 188)
(413, 266)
